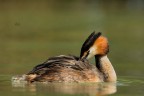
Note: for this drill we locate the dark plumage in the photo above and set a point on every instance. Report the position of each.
(63, 69)
(89, 42)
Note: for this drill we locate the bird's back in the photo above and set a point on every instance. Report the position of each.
(65, 69)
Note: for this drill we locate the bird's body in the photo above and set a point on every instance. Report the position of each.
(77, 69)
(65, 69)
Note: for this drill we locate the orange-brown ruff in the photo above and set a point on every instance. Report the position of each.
(102, 44)
(77, 69)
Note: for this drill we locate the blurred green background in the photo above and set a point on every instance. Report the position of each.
(33, 30)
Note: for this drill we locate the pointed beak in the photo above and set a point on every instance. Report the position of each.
(84, 56)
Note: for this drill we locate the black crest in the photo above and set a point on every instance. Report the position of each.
(89, 42)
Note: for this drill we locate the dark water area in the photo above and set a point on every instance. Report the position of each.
(32, 31)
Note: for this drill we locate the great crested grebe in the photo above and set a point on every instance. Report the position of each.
(77, 69)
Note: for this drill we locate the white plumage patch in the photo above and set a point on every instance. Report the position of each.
(92, 52)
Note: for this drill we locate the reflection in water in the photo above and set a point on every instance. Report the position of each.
(91, 89)
(80, 88)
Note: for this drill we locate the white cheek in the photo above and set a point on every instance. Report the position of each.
(92, 52)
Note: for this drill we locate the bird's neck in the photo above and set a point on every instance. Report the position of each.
(105, 67)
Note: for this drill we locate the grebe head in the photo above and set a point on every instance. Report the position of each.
(95, 44)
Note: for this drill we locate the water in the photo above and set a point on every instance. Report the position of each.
(32, 31)
(126, 86)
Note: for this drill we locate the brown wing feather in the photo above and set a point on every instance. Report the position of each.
(62, 68)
